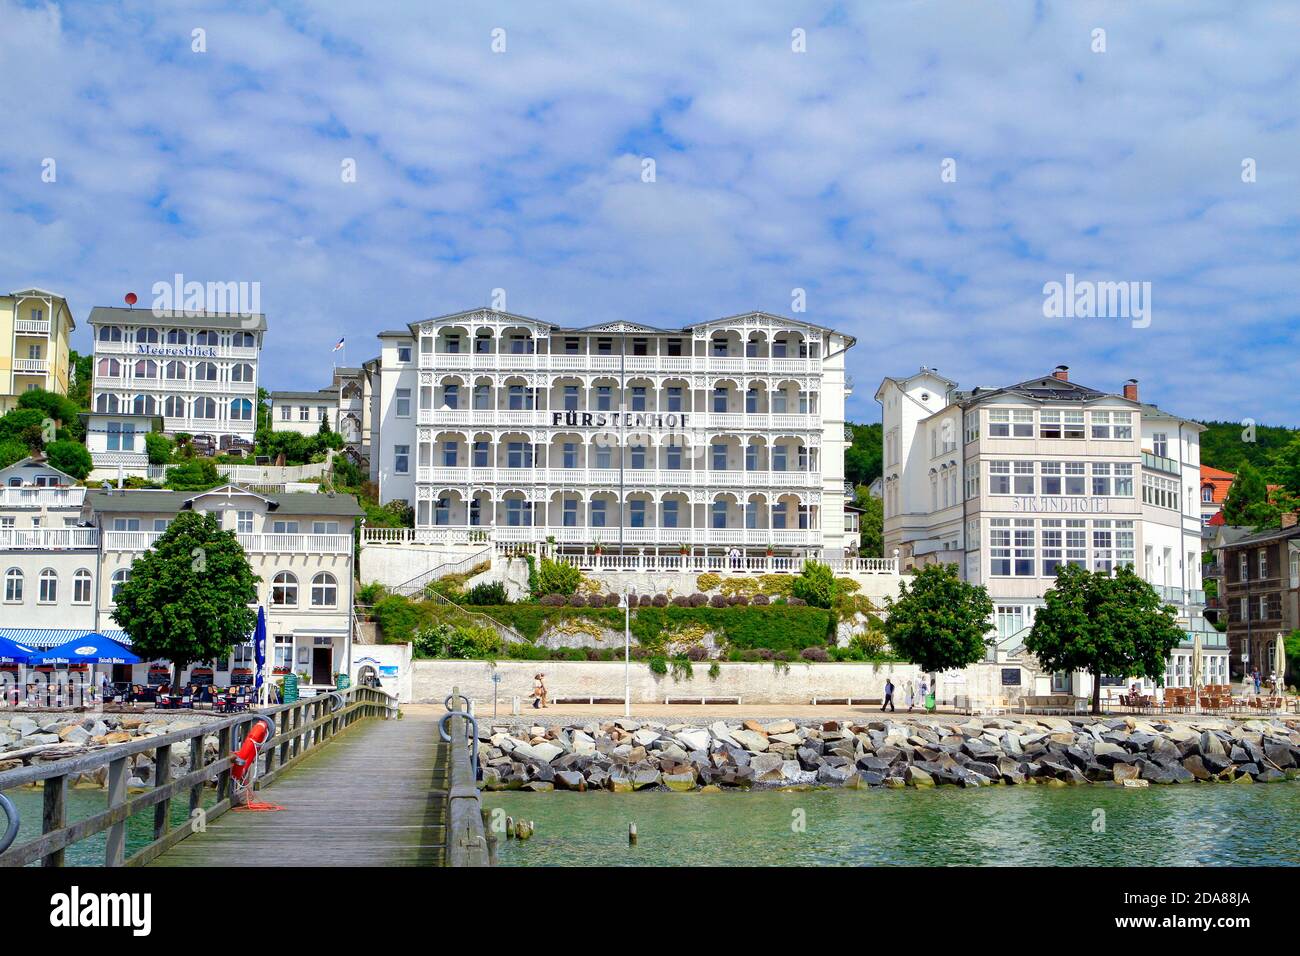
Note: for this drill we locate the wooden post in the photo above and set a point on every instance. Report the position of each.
(162, 774)
(55, 815)
(115, 842)
(284, 732)
(196, 763)
(223, 750)
(631, 834)
(296, 747)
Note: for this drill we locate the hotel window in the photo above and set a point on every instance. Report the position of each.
(402, 403)
(304, 413)
(284, 590)
(604, 398)
(1011, 619)
(934, 490)
(1072, 424)
(483, 344)
(604, 456)
(636, 513)
(999, 423)
(999, 477)
(519, 398)
(569, 454)
(1263, 607)
(779, 457)
(1262, 558)
(244, 522)
(404, 352)
(241, 410)
(401, 459)
(569, 517)
(176, 371)
(81, 587)
(638, 398)
(1160, 445)
(1101, 424)
(751, 401)
(241, 372)
(1076, 542)
(972, 480)
(482, 397)
(973, 534)
(284, 527)
(243, 340)
(205, 408)
(1101, 478)
(804, 406)
(673, 458)
(282, 654)
(570, 398)
(1123, 480)
(675, 347)
(480, 454)
(720, 399)
(718, 347)
(668, 512)
(1000, 547)
(639, 347)
(674, 398)
(1103, 558)
(720, 514)
(519, 513)
(1051, 477)
(324, 527)
(1075, 482)
(1049, 423)
(1052, 547)
(638, 457)
(1022, 423)
(719, 452)
(442, 512)
(1124, 544)
(177, 337)
(205, 372)
(120, 577)
(48, 590)
(1122, 426)
(1023, 483)
(1243, 567)
(109, 333)
(1024, 542)
(450, 397)
(475, 512)
(598, 513)
(449, 449)
(519, 454)
(972, 426)
(453, 345)
(286, 413)
(126, 524)
(779, 402)
(324, 590)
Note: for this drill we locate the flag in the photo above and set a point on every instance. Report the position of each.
(338, 345)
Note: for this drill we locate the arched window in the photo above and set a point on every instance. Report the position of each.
(107, 404)
(324, 590)
(144, 405)
(205, 372)
(81, 587)
(48, 592)
(176, 371)
(13, 586)
(177, 337)
(241, 372)
(174, 407)
(108, 368)
(110, 333)
(120, 577)
(241, 410)
(146, 368)
(284, 590)
(207, 337)
(148, 335)
(243, 340)
(205, 407)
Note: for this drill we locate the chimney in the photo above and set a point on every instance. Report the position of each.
(1131, 390)
(1062, 372)
(1289, 519)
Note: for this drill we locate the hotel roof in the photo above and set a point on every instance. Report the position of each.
(231, 321)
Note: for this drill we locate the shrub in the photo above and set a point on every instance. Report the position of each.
(715, 669)
(815, 584)
(734, 586)
(397, 617)
(489, 592)
(645, 600)
(639, 653)
(796, 602)
(698, 600)
(158, 447)
(775, 585)
(717, 600)
(70, 457)
(577, 600)
(659, 665)
(370, 593)
(784, 655)
(738, 600)
(708, 581)
(697, 653)
(459, 641)
(612, 600)
(198, 474)
(681, 600)
(556, 577)
(761, 600)
(659, 600)
(552, 600)
(816, 654)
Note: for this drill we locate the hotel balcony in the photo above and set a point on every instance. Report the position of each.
(457, 418)
(653, 364)
(33, 497)
(177, 386)
(48, 539)
(32, 327)
(251, 543)
(27, 366)
(607, 479)
(210, 351)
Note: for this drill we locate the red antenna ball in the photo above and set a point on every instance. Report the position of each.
(130, 298)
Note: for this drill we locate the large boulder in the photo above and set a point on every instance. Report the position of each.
(570, 780)
(694, 739)
(681, 782)
(751, 740)
(917, 777)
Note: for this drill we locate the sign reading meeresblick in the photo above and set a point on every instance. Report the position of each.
(75, 909)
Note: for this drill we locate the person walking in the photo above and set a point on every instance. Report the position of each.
(539, 690)
(911, 696)
(889, 695)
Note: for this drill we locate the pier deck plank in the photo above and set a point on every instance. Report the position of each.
(374, 796)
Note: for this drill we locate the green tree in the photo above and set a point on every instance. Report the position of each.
(1287, 467)
(939, 621)
(70, 457)
(324, 424)
(81, 368)
(11, 450)
(197, 474)
(863, 457)
(187, 597)
(1248, 503)
(26, 425)
(60, 409)
(263, 410)
(815, 584)
(159, 448)
(1105, 625)
(871, 523)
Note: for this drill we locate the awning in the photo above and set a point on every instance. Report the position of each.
(43, 638)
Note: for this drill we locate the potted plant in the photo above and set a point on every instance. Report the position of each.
(769, 551)
(683, 550)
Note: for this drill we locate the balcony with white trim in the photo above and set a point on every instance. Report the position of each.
(564, 362)
(29, 366)
(608, 479)
(40, 329)
(30, 496)
(130, 541)
(49, 539)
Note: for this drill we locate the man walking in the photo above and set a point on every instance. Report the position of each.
(889, 695)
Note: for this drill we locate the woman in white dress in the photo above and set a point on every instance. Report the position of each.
(911, 695)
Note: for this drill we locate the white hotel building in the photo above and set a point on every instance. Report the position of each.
(724, 434)
(197, 371)
(1010, 483)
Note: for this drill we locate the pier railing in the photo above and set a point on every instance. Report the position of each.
(301, 727)
(469, 843)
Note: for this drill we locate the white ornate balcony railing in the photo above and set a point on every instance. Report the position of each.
(178, 386)
(606, 479)
(31, 497)
(27, 366)
(30, 327)
(586, 362)
(461, 419)
(48, 539)
(159, 351)
(251, 543)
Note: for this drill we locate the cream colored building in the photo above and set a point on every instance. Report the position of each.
(35, 332)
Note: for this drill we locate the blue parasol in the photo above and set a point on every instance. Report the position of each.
(259, 646)
(11, 652)
(91, 649)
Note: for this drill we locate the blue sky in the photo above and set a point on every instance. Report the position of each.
(775, 171)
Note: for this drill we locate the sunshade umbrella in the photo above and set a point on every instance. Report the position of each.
(91, 649)
(11, 652)
(259, 650)
(1197, 662)
(1279, 660)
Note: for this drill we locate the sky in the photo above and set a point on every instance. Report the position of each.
(922, 171)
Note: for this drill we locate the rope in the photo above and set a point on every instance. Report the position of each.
(257, 807)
